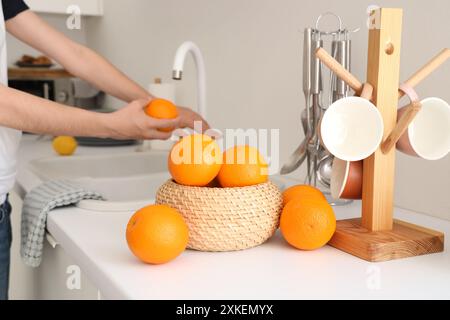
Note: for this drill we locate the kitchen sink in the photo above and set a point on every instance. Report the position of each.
(128, 182)
(103, 166)
(122, 194)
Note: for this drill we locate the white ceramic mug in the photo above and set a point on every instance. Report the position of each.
(428, 136)
(352, 129)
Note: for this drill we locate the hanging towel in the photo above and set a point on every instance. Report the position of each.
(37, 204)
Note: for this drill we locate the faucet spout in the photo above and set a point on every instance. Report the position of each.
(178, 66)
(177, 75)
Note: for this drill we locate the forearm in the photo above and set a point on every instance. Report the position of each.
(25, 112)
(77, 59)
(93, 68)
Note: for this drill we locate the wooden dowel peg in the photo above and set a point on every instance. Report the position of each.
(367, 91)
(357, 86)
(406, 119)
(339, 70)
(427, 69)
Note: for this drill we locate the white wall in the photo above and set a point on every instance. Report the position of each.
(253, 55)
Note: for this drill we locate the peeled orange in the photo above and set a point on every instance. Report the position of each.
(302, 192)
(157, 234)
(162, 109)
(242, 166)
(308, 224)
(195, 160)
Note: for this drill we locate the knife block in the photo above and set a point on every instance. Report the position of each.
(377, 236)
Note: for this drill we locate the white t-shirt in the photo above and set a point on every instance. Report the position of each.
(9, 138)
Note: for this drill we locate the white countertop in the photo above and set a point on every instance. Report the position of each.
(96, 241)
(271, 271)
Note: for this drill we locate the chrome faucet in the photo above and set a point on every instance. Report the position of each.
(178, 67)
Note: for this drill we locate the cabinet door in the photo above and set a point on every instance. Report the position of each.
(88, 7)
(58, 278)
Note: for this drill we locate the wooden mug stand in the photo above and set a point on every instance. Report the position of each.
(377, 236)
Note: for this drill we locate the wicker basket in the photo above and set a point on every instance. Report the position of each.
(225, 219)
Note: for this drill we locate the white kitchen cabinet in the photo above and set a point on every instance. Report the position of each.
(58, 278)
(88, 7)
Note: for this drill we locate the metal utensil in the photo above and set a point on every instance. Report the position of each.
(348, 57)
(307, 88)
(300, 154)
(304, 119)
(296, 159)
(307, 74)
(338, 91)
(317, 88)
(314, 142)
(341, 57)
(324, 170)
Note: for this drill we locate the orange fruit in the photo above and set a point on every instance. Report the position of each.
(242, 166)
(308, 224)
(162, 109)
(302, 192)
(157, 234)
(195, 160)
(65, 146)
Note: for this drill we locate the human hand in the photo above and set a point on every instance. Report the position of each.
(131, 122)
(189, 117)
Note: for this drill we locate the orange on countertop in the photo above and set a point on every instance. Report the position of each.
(243, 166)
(64, 145)
(302, 192)
(308, 224)
(195, 160)
(162, 109)
(157, 234)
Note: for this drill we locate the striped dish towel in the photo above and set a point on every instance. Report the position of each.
(37, 204)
